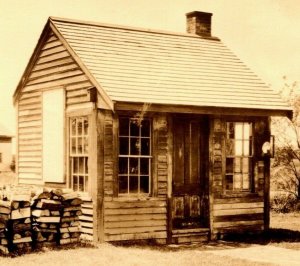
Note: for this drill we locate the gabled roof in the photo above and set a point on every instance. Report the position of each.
(139, 65)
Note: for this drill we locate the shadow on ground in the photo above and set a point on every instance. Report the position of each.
(273, 236)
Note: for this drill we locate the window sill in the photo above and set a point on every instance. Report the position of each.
(134, 198)
(239, 194)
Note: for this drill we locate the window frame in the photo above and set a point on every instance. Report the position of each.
(139, 156)
(84, 155)
(251, 158)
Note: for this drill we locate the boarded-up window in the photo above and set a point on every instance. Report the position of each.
(53, 135)
(238, 156)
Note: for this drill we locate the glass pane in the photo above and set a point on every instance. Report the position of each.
(133, 184)
(247, 130)
(237, 165)
(86, 183)
(237, 181)
(79, 143)
(238, 151)
(229, 182)
(134, 128)
(245, 165)
(246, 181)
(81, 165)
(135, 146)
(230, 130)
(144, 166)
(75, 165)
(81, 183)
(73, 126)
(86, 126)
(238, 130)
(86, 165)
(79, 126)
(124, 146)
(229, 165)
(145, 128)
(133, 166)
(124, 127)
(144, 186)
(123, 165)
(75, 183)
(73, 145)
(230, 147)
(145, 147)
(85, 145)
(123, 184)
(246, 148)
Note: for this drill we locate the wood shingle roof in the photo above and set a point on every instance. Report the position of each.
(138, 65)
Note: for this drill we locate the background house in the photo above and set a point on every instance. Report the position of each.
(6, 152)
(162, 130)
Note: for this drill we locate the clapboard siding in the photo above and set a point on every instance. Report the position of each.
(238, 216)
(160, 153)
(109, 155)
(54, 67)
(135, 219)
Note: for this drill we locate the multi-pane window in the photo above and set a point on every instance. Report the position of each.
(238, 156)
(134, 156)
(79, 153)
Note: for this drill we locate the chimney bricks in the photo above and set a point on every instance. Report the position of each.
(199, 23)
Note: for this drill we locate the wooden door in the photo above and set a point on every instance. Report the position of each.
(189, 173)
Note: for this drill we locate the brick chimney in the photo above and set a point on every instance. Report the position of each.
(199, 23)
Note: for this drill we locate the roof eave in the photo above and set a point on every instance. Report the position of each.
(31, 62)
(77, 59)
(210, 110)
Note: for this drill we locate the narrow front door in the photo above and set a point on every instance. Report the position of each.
(189, 173)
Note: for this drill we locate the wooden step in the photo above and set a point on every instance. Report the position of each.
(180, 236)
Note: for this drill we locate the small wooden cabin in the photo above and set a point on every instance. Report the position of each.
(163, 130)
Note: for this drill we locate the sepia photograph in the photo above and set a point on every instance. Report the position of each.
(140, 133)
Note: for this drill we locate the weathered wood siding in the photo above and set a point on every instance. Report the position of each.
(236, 212)
(135, 218)
(86, 220)
(53, 68)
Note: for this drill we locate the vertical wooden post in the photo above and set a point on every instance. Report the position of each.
(210, 181)
(267, 180)
(97, 172)
(170, 177)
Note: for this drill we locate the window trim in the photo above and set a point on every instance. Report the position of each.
(149, 157)
(241, 192)
(71, 116)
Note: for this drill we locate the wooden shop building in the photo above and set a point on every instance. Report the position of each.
(163, 130)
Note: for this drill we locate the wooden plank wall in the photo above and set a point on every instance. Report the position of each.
(135, 218)
(238, 214)
(86, 220)
(53, 68)
(235, 212)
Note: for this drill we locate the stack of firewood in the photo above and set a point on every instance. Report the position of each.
(46, 219)
(5, 210)
(19, 226)
(70, 225)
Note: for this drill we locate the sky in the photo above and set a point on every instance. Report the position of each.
(264, 34)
